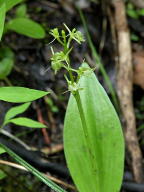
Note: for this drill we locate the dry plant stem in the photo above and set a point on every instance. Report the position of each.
(17, 166)
(124, 89)
(44, 131)
(4, 132)
(11, 164)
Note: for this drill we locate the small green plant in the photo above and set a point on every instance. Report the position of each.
(22, 24)
(23, 95)
(21, 121)
(93, 139)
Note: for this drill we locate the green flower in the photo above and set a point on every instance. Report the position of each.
(57, 60)
(55, 33)
(56, 66)
(76, 35)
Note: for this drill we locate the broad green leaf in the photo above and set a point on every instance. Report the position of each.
(15, 111)
(34, 171)
(10, 3)
(21, 11)
(2, 18)
(20, 94)
(26, 27)
(2, 150)
(23, 121)
(98, 165)
(6, 65)
(2, 175)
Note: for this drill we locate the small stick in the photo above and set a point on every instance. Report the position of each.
(17, 166)
(11, 136)
(44, 131)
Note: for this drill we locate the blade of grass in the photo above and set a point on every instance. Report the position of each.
(98, 60)
(34, 171)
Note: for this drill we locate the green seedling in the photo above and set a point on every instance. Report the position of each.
(19, 95)
(93, 139)
(21, 24)
(21, 121)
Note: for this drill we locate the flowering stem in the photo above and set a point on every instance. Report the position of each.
(85, 130)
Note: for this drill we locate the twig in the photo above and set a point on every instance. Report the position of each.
(4, 132)
(17, 166)
(44, 131)
(58, 181)
(124, 89)
(11, 164)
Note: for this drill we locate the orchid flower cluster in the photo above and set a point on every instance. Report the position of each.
(61, 59)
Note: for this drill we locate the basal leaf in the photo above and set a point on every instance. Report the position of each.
(2, 18)
(20, 94)
(10, 3)
(100, 167)
(23, 121)
(15, 111)
(26, 27)
(34, 171)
